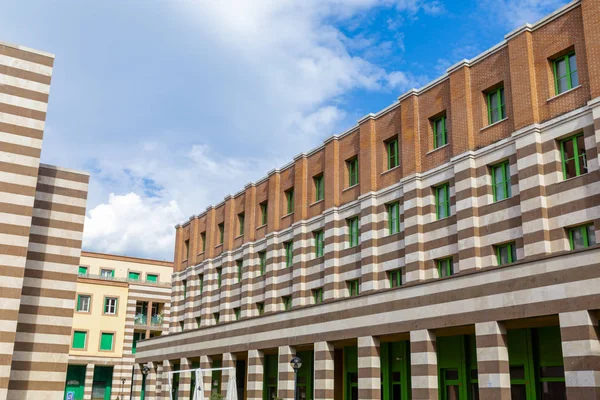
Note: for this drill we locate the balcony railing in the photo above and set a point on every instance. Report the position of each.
(156, 320)
(116, 279)
(141, 319)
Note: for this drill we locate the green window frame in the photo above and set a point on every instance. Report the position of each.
(260, 307)
(79, 340)
(264, 212)
(319, 187)
(184, 284)
(287, 302)
(353, 287)
(221, 228)
(111, 305)
(107, 341)
(262, 255)
(506, 253)
(393, 210)
(395, 277)
(151, 278)
(318, 295)
(440, 132)
(445, 267)
(83, 303)
(582, 236)
(566, 76)
(496, 107)
(237, 312)
(239, 264)
(134, 276)
(201, 282)
(217, 317)
(392, 154)
(241, 220)
(442, 201)
(107, 273)
(219, 276)
(198, 322)
(573, 155)
(289, 253)
(186, 246)
(137, 336)
(353, 232)
(82, 270)
(501, 186)
(352, 166)
(289, 198)
(203, 238)
(182, 325)
(319, 243)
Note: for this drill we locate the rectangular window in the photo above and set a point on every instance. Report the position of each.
(445, 267)
(319, 243)
(264, 209)
(198, 322)
(186, 249)
(318, 295)
(219, 277)
(262, 255)
(79, 339)
(289, 253)
(442, 201)
(182, 325)
(241, 217)
(151, 278)
(501, 186)
(565, 73)
(134, 276)
(239, 264)
(216, 316)
(574, 160)
(203, 239)
(289, 199)
(352, 166)
(287, 302)
(107, 273)
(260, 307)
(83, 270)
(83, 302)
(495, 105)
(582, 236)
(110, 305)
(506, 253)
(184, 285)
(353, 232)
(395, 277)
(237, 312)
(221, 227)
(106, 341)
(353, 287)
(392, 154)
(440, 132)
(394, 217)
(201, 282)
(319, 187)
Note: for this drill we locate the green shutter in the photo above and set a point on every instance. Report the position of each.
(392, 153)
(151, 278)
(79, 339)
(82, 270)
(241, 218)
(135, 276)
(106, 341)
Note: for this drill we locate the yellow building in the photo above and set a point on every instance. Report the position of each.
(119, 301)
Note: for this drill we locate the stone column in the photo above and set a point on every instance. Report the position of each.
(256, 365)
(492, 361)
(151, 382)
(89, 380)
(423, 362)
(160, 384)
(185, 379)
(165, 387)
(581, 353)
(206, 363)
(228, 362)
(324, 371)
(369, 368)
(137, 380)
(285, 373)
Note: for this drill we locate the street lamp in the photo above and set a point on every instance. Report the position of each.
(296, 364)
(145, 370)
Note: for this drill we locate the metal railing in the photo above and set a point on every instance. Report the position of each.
(126, 280)
(142, 320)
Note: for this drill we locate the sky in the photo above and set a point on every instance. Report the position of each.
(171, 105)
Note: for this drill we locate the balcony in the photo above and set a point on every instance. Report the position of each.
(141, 319)
(156, 320)
(126, 280)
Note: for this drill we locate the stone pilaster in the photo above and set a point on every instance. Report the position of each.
(324, 371)
(89, 380)
(205, 364)
(423, 362)
(285, 373)
(492, 361)
(256, 366)
(227, 375)
(185, 379)
(369, 368)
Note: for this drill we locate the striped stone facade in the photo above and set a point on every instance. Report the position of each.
(402, 295)
(42, 211)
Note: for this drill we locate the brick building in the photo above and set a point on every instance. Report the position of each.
(441, 248)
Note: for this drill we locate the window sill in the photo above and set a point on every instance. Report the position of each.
(219, 245)
(261, 226)
(494, 124)
(563, 93)
(571, 178)
(438, 148)
(238, 236)
(351, 187)
(287, 215)
(316, 202)
(389, 170)
(201, 253)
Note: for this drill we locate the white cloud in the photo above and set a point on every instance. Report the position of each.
(513, 13)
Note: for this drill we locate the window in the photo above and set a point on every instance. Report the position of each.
(182, 325)
(184, 284)
(289, 198)
(219, 277)
(134, 276)
(79, 339)
(203, 239)
(582, 236)
(264, 213)
(565, 73)
(262, 255)
(353, 287)
(151, 278)
(353, 232)
(318, 295)
(352, 166)
(319, 243)
(501, 186)
(201, 282)
(83, 270)
(574, 161)
(440, 132)
(83, 302)
(107, 273)
(106, 341)
(260, 307)
(110, 305)
(495, 105)
(137, 336)
(221, 227)
(392, 153)
(506, 253)
(395, 278)
(239, 264)
(237, 312)
(241, 223)
(216, 316)
(319, 187)
(442, 201)
(445, 267)
(198, 322)
(287, 302)
(393, 217)
(289, 253)
(186, 249)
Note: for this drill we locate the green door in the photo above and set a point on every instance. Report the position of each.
(350, 373)
(75, 382)
(270, 377)
(395, 371)
(305, 376)
(101, 387)
(457, 368)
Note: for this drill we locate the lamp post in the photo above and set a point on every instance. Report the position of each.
(122, 384)
(145, 372)
(296, 364)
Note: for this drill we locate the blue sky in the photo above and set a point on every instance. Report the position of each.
(172, 105)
